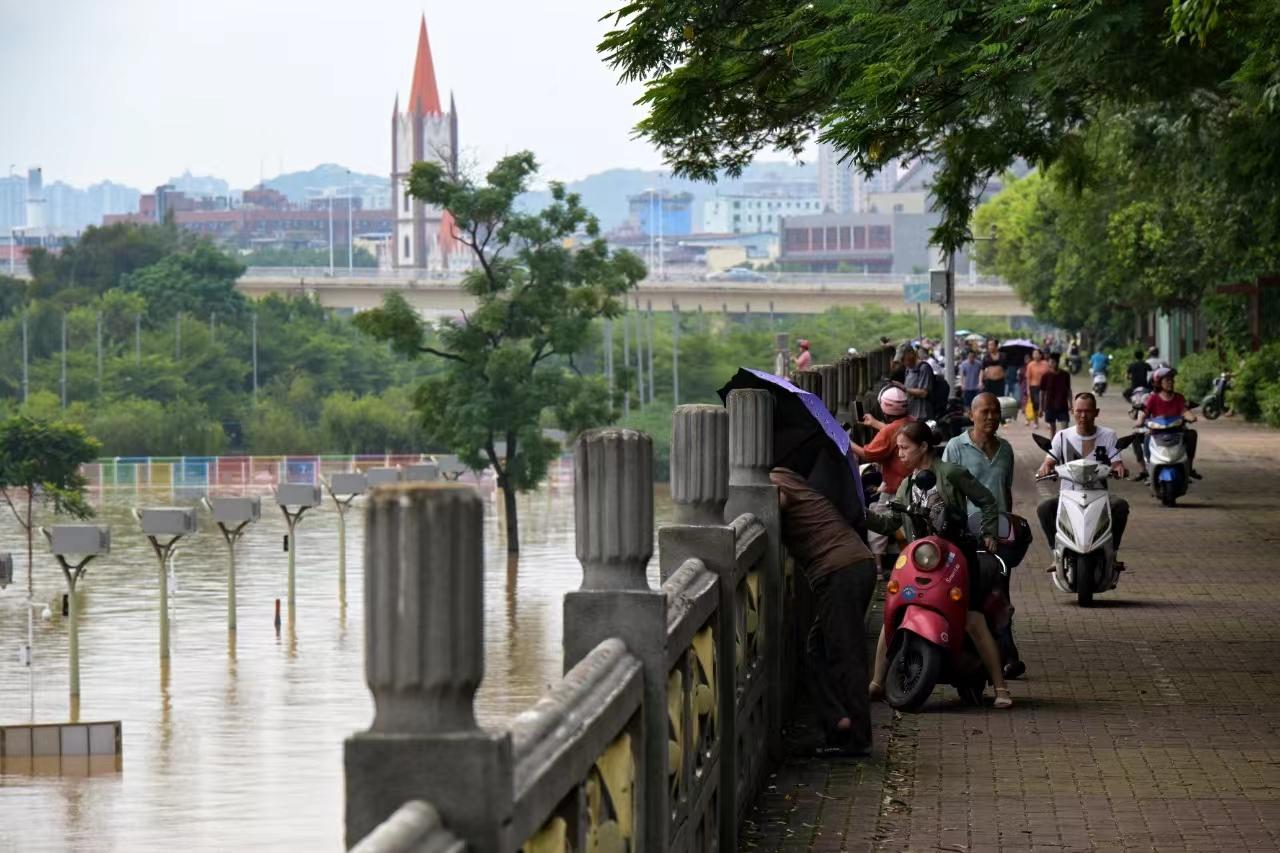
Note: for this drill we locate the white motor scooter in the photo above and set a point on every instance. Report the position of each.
(1083, 553)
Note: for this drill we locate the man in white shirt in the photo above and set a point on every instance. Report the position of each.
(1083, 441)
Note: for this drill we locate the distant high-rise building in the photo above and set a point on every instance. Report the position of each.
(37, 208)
(422, 132)
(843, 188)
(13, 203)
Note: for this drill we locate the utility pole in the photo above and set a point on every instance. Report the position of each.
(255, 358)
(137, 339)
(649, 318)
(675, 353)
(177, 336)
(608, 356)
(26, 384)
(639, 353)
(330, 235)
(99, 353)
(626, 362)
(351, 265)
(64, 360)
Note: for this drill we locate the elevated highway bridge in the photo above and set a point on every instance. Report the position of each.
(439, 296)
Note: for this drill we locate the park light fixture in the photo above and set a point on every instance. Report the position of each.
(304, 497)
(70, 541)
(422, 472)
(168, 523)
(451, 467)
(233, 515)
(345, 488)
(383, 476)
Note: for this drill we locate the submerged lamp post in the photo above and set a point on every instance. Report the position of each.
(427, 472)
(344, 488)
(383, 476)
(69, 541)
(233, 515)
(303, 497)
(171, 523)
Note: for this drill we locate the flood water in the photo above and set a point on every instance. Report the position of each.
(241, 748)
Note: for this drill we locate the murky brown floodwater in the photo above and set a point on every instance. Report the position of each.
(244, 750)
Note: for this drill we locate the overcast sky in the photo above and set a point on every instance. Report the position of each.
(139, 90)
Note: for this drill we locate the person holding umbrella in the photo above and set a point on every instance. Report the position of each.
(824, 531)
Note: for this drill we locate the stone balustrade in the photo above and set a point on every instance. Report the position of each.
(669, 714)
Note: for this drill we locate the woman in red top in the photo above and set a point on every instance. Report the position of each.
(1167, 403)
(883, 449)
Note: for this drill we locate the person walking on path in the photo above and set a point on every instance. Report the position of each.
(970, 377)
(989, 458)
(993, 370)
(1055, 395)
(955, 487)
(842, 574)
(918, 382)
(805, 358)
(1036, 370)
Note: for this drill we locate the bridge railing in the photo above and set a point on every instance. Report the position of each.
(318, 276)
(661, 732)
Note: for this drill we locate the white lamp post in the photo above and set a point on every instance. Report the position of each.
(171, 523)
(304, 497)
(233, 515)
(344, 488)
(71, 540)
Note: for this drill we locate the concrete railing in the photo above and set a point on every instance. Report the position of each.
(662, 730)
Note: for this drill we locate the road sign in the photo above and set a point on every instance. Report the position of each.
(915, 292)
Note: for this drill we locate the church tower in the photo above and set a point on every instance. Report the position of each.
(423, 131)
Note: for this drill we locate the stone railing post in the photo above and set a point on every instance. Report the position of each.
(699, 489)
(613, 519)
(424, 660)
(808, 380)
(699, 463)
(750, 490)
(782, 350)
(844, 388)
(828, 390)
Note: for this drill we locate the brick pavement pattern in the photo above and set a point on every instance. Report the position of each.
(1150, 722)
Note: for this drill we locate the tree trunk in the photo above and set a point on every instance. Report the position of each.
(513, 524)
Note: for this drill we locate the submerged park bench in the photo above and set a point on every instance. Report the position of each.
(670, 712)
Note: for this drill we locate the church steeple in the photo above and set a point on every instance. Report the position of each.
(424, 97)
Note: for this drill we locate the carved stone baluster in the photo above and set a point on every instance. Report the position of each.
(613, 517)
(424, 660)
(700, 463)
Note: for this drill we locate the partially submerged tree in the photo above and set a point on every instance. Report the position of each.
(40, 463)
(510, 362)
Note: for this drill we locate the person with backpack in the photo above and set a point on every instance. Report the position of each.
(919, 385)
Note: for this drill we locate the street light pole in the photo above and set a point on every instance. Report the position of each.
(350, 228)
(330, 235)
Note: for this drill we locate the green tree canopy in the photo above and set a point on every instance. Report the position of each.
(200, 281)
(972, 85)
(511, 359)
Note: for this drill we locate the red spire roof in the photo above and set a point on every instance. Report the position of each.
(424, 98)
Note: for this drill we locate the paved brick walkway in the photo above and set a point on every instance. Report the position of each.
(1150, 722)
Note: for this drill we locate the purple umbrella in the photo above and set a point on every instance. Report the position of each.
(799, 418)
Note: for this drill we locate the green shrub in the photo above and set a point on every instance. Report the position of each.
(1256, 382)
(1196, 373)
(138, 427)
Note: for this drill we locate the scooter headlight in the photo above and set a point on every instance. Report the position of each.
(1065, 528)
(926, 556)
(1103, 527)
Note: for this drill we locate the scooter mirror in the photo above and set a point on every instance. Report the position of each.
(1043, 443)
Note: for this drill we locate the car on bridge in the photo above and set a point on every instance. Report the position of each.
(736, 274)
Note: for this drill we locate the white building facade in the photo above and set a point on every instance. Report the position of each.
(752, 214)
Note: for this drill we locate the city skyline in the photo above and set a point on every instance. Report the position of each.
(289, 86)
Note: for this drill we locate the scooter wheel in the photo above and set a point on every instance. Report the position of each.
(914, 671)
(1211, 409)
